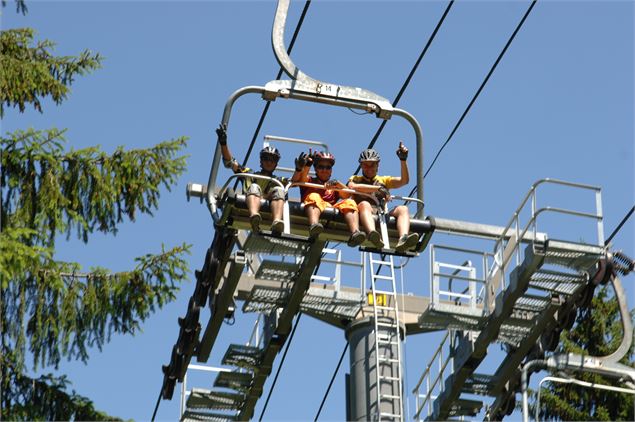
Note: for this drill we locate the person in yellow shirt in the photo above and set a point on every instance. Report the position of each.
(317, 200)
(370, 182)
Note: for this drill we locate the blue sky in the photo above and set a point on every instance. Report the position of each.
(560, 104)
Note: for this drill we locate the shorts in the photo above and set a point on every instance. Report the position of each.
(344, 206)
(274, 193)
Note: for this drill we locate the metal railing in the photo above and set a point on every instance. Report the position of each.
(461, 295)
(580, 383)
(308, 142)
(185, 392)
(433, 375)
(508, 244)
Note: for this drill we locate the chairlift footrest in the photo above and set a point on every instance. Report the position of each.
(393, 252)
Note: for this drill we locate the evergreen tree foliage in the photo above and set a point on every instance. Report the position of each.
(50, 309)
(30, 72)
(598, 332)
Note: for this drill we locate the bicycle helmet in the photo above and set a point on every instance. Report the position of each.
(270, 152)
(323, 156)
(369, 155)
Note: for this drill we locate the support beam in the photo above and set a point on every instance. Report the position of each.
(219, 303)
(300, 286)
(471, 354)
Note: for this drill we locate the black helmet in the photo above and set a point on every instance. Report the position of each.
(369, 155)
(270, 152)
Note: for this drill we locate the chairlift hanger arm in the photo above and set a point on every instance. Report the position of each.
(304, 81)
(304, 88)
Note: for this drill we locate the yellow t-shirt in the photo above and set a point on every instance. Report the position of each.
(377, 180)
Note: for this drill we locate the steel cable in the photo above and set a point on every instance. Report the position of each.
(478, 92)
(284, 355)
(328, 389)
(372, 143)
(251, 145)
(410, 75)
(619, 226)
(266, 109)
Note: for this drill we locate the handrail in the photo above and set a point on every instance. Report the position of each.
(211, 184)
(436, 353)
(455, 249)
(221, 192)
(427, 371)
(296, 141)
(322, 187)
(536, 212)
(455, 275)
(532, 190)
(571, 212)
(436, 275)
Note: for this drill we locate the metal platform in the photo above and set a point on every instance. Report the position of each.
(206, 399)
(524, 300)
(199, 416)
(240, 381)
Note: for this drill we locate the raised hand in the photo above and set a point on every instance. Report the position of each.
(402, 151)
(303, 160)
(222, 134)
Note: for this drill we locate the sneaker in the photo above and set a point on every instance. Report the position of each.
(277, 226)
(375, 239)
(315, 230)
(255, 220)
(406, 242)
(356, 239)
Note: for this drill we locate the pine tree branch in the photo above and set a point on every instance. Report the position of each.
(52, 307)
(53, 191)
(31, 72)
(62, 315)
(43, 398)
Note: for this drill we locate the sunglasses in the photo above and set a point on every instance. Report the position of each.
(272, 159)
(323, 167)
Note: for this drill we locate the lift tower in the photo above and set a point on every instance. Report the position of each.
(514, 297)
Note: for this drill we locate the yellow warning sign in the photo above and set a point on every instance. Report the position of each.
(381, 299)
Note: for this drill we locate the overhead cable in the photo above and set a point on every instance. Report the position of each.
(266, 109)
(410, 75)
(328, 389)
(284, 355)
(251, 145)
(619, 226)
(156, 407)
(469, 106)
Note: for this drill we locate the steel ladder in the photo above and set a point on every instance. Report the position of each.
(387, 338)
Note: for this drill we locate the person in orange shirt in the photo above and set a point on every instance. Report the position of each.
(370, 182)
(317, 200)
